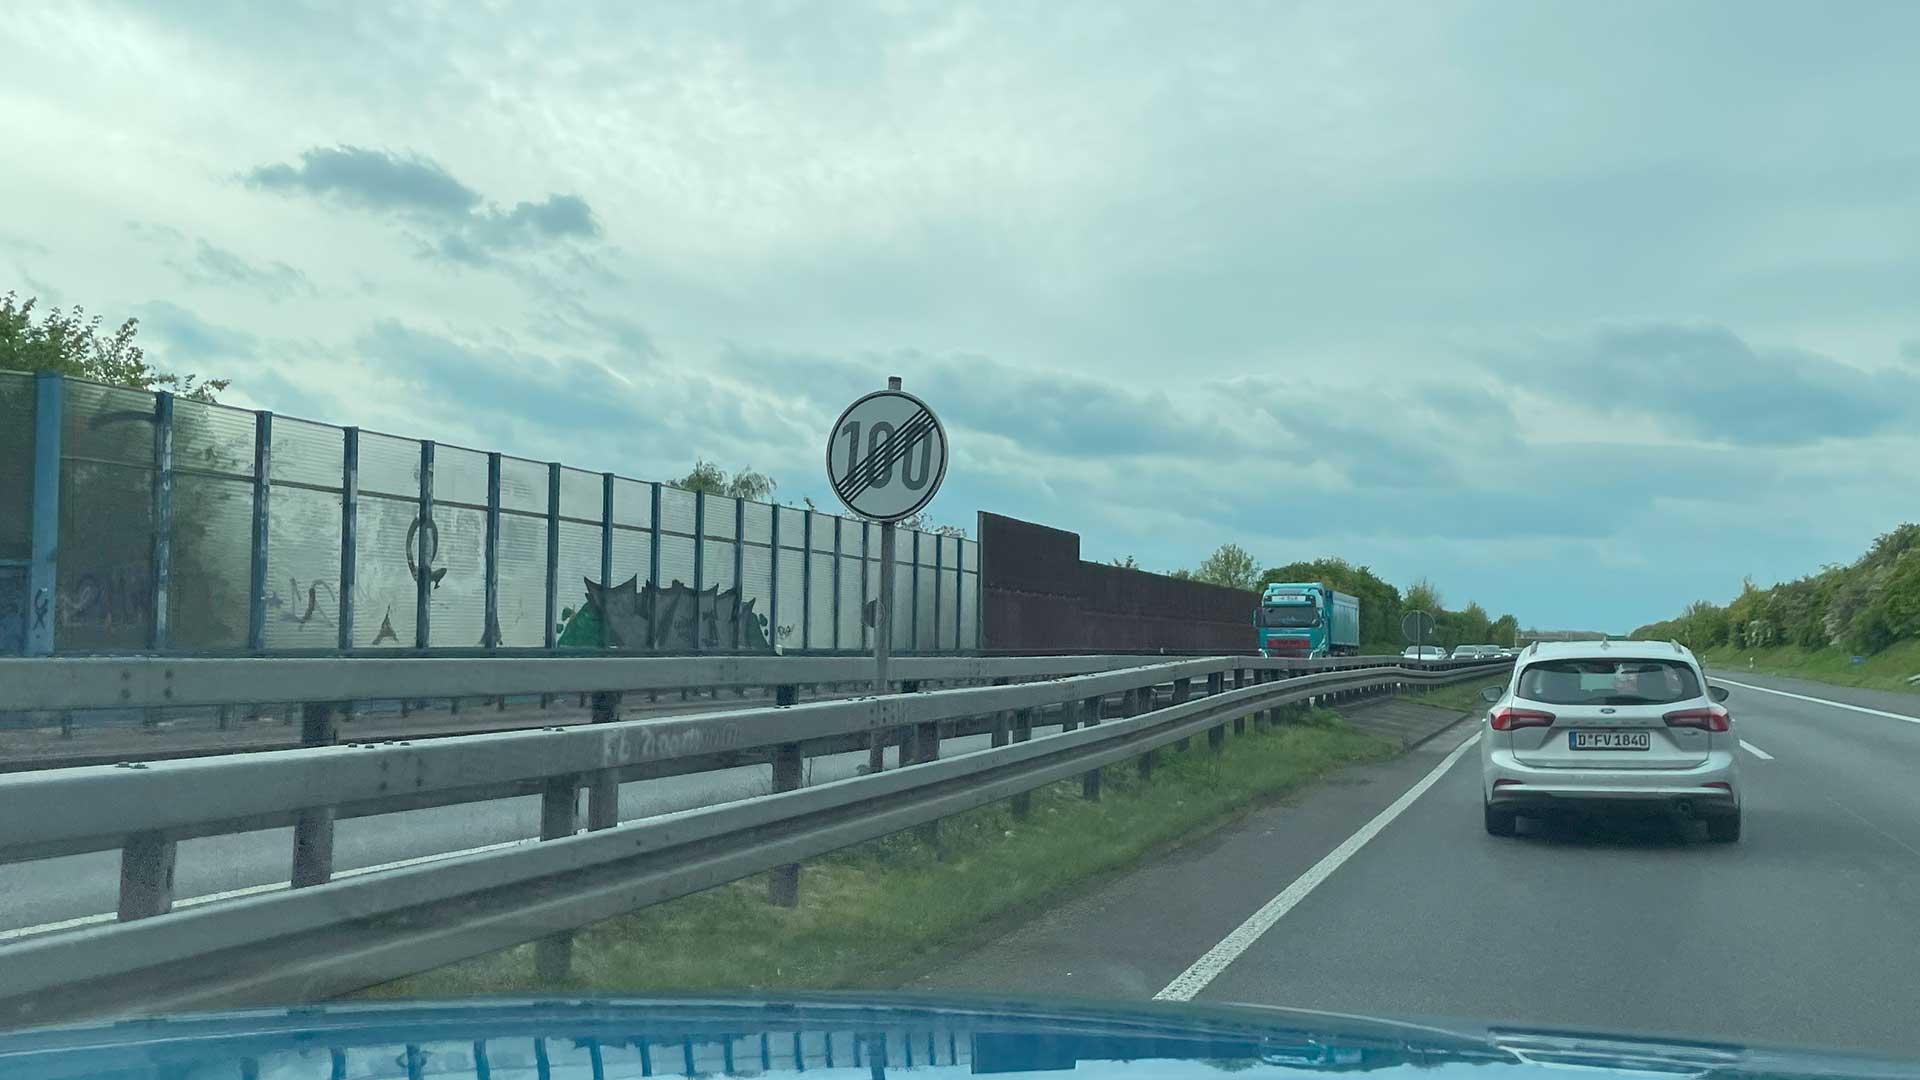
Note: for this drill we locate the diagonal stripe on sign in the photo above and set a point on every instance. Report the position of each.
(905, 438)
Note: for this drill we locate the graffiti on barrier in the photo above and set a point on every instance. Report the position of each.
(632, 615)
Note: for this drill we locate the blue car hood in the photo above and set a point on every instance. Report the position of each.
(930, 1038)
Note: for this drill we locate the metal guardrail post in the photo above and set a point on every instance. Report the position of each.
(146, 875)
(1002, 721)
(939, 552)
(603, 785)
(1090, 710)
(349, 529)
(43, 586)
(262, 499)
(1022, 732)
(1182, 692)
(653, 569)
(773, 582)
(1239, 682)
(313, 827)
(553, 954)
(1135, 703)
(783, 883)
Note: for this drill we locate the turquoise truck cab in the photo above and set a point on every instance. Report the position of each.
(1307, 619)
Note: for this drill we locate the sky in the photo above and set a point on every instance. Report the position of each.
(1580, 311)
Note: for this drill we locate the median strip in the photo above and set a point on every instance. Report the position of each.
(877, 913)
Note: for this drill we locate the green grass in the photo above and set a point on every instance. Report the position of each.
(1460, 697)
(876, 914)
(1887, 669)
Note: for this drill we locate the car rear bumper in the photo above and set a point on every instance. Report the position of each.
(1510, 784)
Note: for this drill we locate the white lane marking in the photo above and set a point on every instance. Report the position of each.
(1818, 700)
(1204, 970)
(254, 890)
(1756, 751)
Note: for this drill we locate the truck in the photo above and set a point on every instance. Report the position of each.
(1307, 619)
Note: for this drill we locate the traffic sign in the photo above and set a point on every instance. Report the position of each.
(1416, 627)
(887, 455)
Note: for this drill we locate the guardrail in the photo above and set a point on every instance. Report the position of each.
(325, 936)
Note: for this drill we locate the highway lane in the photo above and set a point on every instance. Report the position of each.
(1807, 932)
(54, 891)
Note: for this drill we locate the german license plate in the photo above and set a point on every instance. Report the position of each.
(1609, 740)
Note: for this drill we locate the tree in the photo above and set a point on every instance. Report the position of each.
(1125, 563)
(1505, 630)
(1229, 565)
(1423, 595)
(70, 342)
(919, 522)
(713, 480)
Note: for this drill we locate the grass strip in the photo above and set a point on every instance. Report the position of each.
(1458, 697)
(875, 914)
(1888, 669)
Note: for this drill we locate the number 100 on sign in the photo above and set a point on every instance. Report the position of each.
(887, 455)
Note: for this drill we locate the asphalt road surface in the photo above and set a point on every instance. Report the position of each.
(1806, 933)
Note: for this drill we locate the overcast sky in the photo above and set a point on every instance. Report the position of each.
(1581, 311)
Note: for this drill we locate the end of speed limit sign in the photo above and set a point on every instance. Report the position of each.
(887, 455)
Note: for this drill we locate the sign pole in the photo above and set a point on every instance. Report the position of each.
(883, 612)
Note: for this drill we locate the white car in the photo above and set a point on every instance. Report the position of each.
(1423, 652)
(1610, 723)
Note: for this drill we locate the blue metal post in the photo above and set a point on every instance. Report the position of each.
(773, 601)
(490, 636)
(913, 586)
(959, 591)
(653, 571)
(836, 581)
(866, 579)
(806, 581)
(349, 529)
(162, 519)
(699, 566)
(424, 554)
(552, 636)
(939, 554)
(49, 398)
(606, 530)
(262, 500)
(739, 571)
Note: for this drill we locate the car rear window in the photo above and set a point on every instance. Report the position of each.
(1605, 681)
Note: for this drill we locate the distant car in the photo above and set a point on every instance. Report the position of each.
(1423, 652)
(1610, 723)
(1466, 652)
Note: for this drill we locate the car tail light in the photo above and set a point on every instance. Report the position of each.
(1509, 718)
(1711, 718)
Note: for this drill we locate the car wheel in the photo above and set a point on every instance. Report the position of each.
(1724, 830)
(1500, 822)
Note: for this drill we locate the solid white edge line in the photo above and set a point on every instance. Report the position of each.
(1208, 967)
(255, 890)
(1711, 677)
(1755, 751)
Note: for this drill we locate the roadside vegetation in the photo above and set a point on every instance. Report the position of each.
(1814, 626)
(879, 913)
(1460, 697)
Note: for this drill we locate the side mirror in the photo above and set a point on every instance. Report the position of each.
(1492, 694)
(1719, 693)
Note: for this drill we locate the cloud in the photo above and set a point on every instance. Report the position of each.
(202, 262)
(468, 229)
(1705, 383)
(370, 180)
(186, 338)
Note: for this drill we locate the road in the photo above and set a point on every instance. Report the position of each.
(1806, 933)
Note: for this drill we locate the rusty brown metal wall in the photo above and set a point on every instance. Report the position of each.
(1039, 595)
